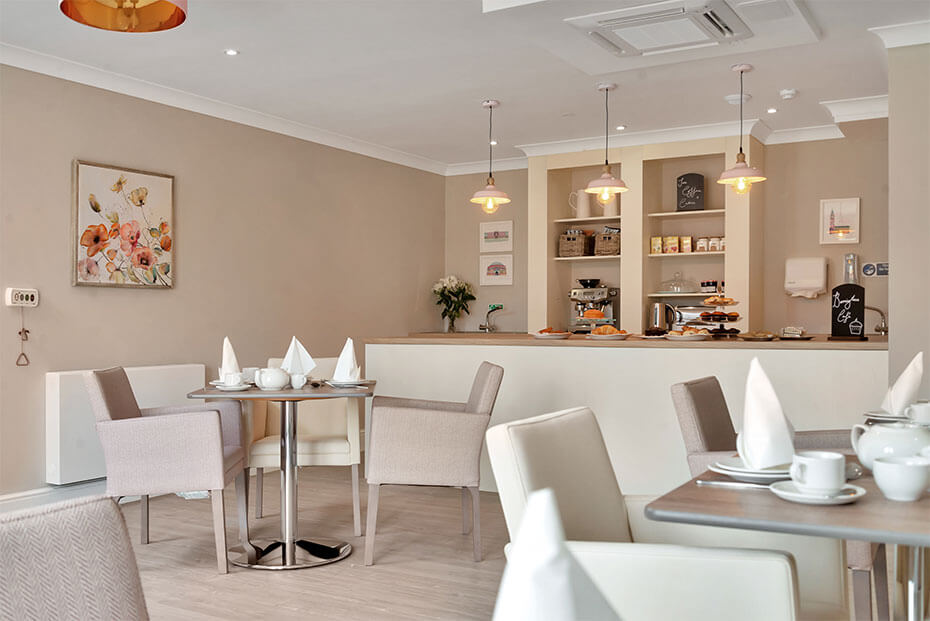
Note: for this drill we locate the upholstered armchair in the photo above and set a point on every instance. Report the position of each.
(69, 560)
(708, 433)
(171, 449)
(437, 443)
(658, 570)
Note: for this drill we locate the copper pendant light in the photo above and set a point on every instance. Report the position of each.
(606, 186)
(126, 15)
(742, 175)
(490, 198)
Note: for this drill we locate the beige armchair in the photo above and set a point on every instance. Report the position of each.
(174, 449)
(709, 435)
(438, 443)
(565, 451)
(69, 560)
(328, 434)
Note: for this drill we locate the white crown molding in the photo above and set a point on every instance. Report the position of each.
(901, 35)
(804, 134)
(468, 168)
(92, 76)
(858, 109)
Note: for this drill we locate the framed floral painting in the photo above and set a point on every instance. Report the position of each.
(122, 227)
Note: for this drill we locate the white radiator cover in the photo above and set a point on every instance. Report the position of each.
(72, 450)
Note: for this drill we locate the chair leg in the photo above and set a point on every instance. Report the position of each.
(476, 521)
(880, 576)
(242, 512)
(144, 513)
(862, 595)
(466, 514)
(373, 492)
(219, 529)
(259, 485)
(356, 504)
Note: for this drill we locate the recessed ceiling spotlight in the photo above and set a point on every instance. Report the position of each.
(231, 52)
(788, 93)
(772, 110)
(493, 143)
(620, 128)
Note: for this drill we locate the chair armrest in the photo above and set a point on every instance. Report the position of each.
(230, 416)
(415, 446)
(656, 581)
(823, 439)
(698, 462)
(163, 453)
(425, 404)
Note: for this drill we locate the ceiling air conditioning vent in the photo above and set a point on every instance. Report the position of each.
(663, 27)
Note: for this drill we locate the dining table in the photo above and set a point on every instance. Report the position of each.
(289, 551)
(870, 518)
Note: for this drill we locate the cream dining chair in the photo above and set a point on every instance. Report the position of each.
(613, 540)
(172, 449)
(328, 434)
(708, 433)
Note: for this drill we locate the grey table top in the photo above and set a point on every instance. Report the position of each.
(872, 518)
(286, 394)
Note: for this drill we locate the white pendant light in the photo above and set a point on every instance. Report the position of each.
(742, 175)
(490, 198)
(606, 186)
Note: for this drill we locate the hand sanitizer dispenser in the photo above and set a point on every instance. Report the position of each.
(806, 276)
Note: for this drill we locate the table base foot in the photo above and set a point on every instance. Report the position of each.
(307, 553)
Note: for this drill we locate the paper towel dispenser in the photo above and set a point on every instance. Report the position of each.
(806, 276)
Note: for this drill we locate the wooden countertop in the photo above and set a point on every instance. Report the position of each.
(819, 342)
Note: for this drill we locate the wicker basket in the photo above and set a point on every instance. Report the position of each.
(606, 244)
(572, 245)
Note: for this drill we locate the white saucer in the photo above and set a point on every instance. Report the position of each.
(736, 464)
(238, 388)
(651, 337)
(882, 416)
(786, 490)
(607, 337)
(687, 337)
(552, 335)
(217, 382)
(352, 384)
(750, 477)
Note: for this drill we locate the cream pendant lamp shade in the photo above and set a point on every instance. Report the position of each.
(606, 186)
(490, 198)
(126, 15)
(742, 175)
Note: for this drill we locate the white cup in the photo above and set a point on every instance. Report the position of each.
(902, 478)
(919, 412)
(298, 380)
(232, 379)
(818, 472)
(612, 207)
(248, 374)
(580, 202)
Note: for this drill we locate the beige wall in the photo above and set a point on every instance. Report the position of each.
(909, 206)
(799, 176)
(273, 238)
(462, 219)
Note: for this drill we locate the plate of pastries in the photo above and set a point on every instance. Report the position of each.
(551, 333)
(607, 333)
(720, 300)
(719, 316)
(688, 333)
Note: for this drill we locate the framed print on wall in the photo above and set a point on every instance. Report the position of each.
(122, 227)
(496, 236)
(839, 221)
(495, 269)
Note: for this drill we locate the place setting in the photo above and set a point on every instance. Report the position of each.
(900, 403)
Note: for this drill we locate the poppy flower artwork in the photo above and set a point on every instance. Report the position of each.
(123, 227)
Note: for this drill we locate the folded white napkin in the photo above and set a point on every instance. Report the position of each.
(347, 369)
(904, 391)
(767, 438)
(229, 364)
(297, 360)
(542, 579)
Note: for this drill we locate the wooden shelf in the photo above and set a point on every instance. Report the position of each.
(713, 253)
(592, 220)
(679, 295)
(686, 214)
(606, 257)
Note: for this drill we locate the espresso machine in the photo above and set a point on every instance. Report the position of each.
(591, 295)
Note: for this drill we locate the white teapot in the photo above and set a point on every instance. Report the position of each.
(272, 379)
(888, 440)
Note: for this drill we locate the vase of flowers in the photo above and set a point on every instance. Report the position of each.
(453, 295)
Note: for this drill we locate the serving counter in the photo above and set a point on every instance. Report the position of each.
(822, 384)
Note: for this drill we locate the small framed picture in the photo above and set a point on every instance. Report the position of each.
(839, 221)
(496, 236)
(495, 269)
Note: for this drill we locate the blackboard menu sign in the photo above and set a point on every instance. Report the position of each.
(848, 312)
(690, 192)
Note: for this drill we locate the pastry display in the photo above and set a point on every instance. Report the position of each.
(607, 330)
(593, 313)
(688, 331)
(551, 330)
(719, 300)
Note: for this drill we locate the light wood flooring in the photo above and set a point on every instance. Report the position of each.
(423, 564)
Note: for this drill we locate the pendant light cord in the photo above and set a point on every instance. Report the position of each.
(606, 125)
(490, 140)
(740, 111)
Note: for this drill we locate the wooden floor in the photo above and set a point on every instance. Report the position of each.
(423, 564)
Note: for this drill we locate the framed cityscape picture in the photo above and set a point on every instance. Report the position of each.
(496, 236)
(839, 221)
(122, 227)
(495, 269)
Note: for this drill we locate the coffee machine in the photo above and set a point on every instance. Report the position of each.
(591, 296)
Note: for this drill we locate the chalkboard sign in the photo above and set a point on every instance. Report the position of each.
(848, 312)
(690, 192)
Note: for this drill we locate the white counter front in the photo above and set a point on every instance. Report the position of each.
(628, 389)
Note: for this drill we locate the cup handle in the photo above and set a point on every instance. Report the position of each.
(739, 448)
(855, 433)
(258, 375)
(573, 202)
(796, 472)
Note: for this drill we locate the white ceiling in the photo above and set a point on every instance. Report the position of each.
(409, 75)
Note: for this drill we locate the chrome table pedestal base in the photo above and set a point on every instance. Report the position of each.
(914, 581)
(307, 554)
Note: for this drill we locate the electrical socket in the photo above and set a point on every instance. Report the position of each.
(21, 297)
